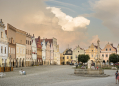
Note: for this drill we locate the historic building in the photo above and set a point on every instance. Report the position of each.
(92, 52)
(11, 34)
(77, 51)
(118, 49)
(66, 57)
(39, 50)
(20, 48)
(43, 50)
(3, 43)
(51, 53)
(56, 52)
(106, 51)
(34, 49)
(28, 50)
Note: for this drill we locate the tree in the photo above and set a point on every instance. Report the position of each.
(83, 58)
(114, 58)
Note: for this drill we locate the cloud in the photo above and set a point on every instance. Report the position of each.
(67, 22)
(33, 17)
(108, 12)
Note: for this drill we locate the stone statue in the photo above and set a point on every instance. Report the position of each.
(89, 64)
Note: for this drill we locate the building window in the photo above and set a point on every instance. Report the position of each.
(1, 49)
(106, 49)
(21, 50)
(1, 34)
(30, 42)
(9, 39)
(110, 49)
(71, 57)
(21, 41)
(9, 49)
(67, 57)
(76, 56)
(92, 56)
(63, 57)
(26, 41)
(92, 50)
(13, 41)
(5, 50)
(106, 55)
(102, 55)
(78, 51)
(28, 52)
(17, 50)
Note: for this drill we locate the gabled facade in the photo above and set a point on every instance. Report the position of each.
(92, 52)
(77, 51)
(66, 57)
(48, 53)
(106, 51)
(39, 50)
(43, 50)
(34, 49)
(3, 43)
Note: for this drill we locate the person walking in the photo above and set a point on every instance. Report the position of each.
(116, 76)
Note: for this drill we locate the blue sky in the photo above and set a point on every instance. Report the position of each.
(75, 8)
(73, 22)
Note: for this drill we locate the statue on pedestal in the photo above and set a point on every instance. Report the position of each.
(98, 60)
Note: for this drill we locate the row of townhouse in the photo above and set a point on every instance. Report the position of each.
(71, 56)
(24, 49)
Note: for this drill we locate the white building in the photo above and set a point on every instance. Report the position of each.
(43, 50)
(3, 42)
(34, 49)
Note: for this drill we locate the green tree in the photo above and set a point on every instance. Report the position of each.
(83, 58)
(114, 58)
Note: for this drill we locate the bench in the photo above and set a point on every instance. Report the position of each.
(2, 74)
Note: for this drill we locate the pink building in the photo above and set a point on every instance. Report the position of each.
(106, 51)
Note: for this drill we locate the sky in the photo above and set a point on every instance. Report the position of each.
(72, 22)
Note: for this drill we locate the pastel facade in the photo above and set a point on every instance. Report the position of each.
(20, 48)
(43, 50)
(52, 54)
(56, 52)
(77, 51)
(11, 34)
(118, 49)
(34, 49)
(92, 52)
(107, 50)
(66, 57)
(3, 43)
(28, 50)
(39, 50)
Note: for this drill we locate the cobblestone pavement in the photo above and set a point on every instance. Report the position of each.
(54, 75)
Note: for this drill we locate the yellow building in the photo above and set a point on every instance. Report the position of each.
(92, 52)
(66, 57)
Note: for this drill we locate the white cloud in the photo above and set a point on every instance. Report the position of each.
(67, 22)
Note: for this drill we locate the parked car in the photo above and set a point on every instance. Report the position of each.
(116, 63)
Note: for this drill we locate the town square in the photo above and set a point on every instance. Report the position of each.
(59, 43)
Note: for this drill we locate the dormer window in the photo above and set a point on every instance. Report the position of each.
(106, 49)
